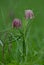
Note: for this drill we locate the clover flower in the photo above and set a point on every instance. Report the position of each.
(16, 23)
(29, 14)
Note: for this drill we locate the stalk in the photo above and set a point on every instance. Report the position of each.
(24, 48)
(3, 46)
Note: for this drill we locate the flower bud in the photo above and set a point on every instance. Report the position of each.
(16, 23)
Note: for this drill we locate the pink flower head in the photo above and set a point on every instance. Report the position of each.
(16, 23)
(29, 14)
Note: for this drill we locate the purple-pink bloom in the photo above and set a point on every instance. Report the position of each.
(16, 23)
(29, 14)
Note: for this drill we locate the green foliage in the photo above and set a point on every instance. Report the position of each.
(13, 63)
(34, 36)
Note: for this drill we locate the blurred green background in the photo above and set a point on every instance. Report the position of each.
(35, 35)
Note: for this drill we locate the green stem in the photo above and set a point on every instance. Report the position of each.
(24, 49)
(3, 53)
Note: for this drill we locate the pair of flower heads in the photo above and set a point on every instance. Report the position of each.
(29, 14)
